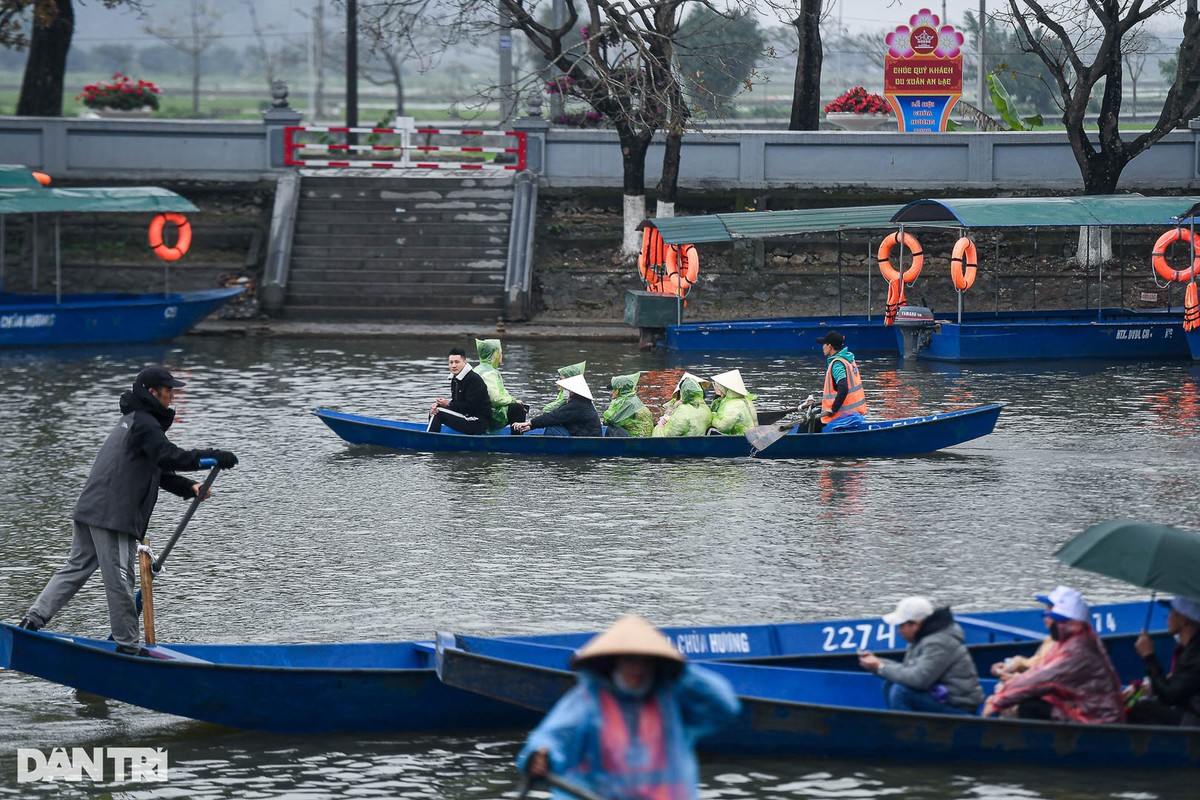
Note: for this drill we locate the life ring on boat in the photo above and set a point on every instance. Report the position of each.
(1191, 308)
(1159, 261)
(895, 299)
(650, 260)
(182, 243)
(964, 264)
(914, 248)
(682, 280)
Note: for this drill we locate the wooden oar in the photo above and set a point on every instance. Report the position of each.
(558, 782)
(147, 569)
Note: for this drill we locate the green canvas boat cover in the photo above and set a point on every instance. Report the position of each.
(770, 224)
(1040, 212)
(17, 175)
(39, 200)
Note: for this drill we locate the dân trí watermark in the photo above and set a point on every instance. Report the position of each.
(126, 764)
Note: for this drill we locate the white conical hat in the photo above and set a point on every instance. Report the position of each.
(576, 384)
(731, 380)
(704, 382)
(629, 636)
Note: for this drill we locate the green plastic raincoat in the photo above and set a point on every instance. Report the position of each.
(627, 411)
(489, 359)
(691, 417)
(569, 371)
(734, 413)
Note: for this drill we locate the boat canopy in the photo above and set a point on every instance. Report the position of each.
(965, 212)
(42, 200)
(770, 224)
(1041, 212)
(17, 175)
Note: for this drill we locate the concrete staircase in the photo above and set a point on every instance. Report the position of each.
(395, 248)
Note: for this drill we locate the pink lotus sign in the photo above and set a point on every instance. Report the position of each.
(922, 77)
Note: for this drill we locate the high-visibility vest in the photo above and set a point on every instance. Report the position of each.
(635, 765)
(856, 398)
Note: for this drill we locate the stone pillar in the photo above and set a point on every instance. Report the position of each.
(535, 127)
(275, 119)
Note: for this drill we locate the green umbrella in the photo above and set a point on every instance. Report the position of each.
(1142, 553)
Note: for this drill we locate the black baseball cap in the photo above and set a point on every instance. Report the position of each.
(834, 339)
(154, 377)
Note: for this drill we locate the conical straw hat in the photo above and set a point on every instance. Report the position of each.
(731, 380)
(576, 384)
(704, 382)
(629, 636)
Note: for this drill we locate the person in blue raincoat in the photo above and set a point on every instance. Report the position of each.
(629, 727)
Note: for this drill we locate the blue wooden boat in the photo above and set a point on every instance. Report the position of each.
(901, 437)
(37, 320)
(392, 687)
(790, 711)
(1193, 342)
(956, 336)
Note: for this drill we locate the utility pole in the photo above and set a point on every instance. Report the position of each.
(982, 71)
(559, 12)
(508, 102)
(351, 69)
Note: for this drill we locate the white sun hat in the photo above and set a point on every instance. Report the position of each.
(732, 381)
(576, 384)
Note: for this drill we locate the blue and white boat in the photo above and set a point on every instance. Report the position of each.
(102, 318)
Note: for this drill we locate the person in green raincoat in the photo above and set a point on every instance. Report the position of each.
(506, 409)
(675, 400)
(627, 415)
(691, 417)
(569, 371)
(733, 410)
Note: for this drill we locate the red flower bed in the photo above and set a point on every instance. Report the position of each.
(859, 101)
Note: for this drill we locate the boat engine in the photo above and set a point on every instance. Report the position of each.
(916, 325)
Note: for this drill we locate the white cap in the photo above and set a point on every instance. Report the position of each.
(1187, 606)
(910, 609)
(1055, 594)
(731, 380)
(576, 384)
(1069, 605)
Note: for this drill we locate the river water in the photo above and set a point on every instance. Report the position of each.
(310, 539)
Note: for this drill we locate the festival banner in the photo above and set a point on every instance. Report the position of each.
(923, 72)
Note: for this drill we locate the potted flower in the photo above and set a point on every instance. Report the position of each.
(858, 110)
(121, 96)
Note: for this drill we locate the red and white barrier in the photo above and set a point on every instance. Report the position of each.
(404, 148)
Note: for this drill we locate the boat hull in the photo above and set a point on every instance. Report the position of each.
(864, 335)
(294, 689)
(110, 318)
(1193, 341)
(906, 437)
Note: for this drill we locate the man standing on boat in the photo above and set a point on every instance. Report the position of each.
(629, 727)
(843, 403)
(469, 408)
(937, 675)
(114, 508)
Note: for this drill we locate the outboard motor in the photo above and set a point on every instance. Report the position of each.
(916, 325)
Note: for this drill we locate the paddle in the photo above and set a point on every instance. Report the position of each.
(558, 782)
(147, 570)
(763, 436)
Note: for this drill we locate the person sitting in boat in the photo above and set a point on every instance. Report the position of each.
(469, 408)
(1015, 665)
(627, 415)
(506, 409)
(843, 403)
(569, 371)
(676, 399)
(1073, 682)
(628, 729)
(937, 674)
(691, 417)
(576, 417)
(1171, 697)
(733, 410)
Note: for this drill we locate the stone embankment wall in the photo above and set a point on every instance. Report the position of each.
(579, 274)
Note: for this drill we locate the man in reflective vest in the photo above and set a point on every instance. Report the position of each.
(844, 403)
(628, 729)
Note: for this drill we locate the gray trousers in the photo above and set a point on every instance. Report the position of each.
(113, 552)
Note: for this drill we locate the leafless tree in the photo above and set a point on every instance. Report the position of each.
(393, 37)
(1082, 44)
(199, 32)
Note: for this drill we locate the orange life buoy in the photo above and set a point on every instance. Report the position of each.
(914, 248)
(1159, 261)
(964, 263)
(650, 261)
(895, 299)
(1191, 308)
(182, 243)
(682, 279)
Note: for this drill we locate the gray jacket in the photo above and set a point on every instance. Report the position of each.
(123, 485)
(938, 656)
